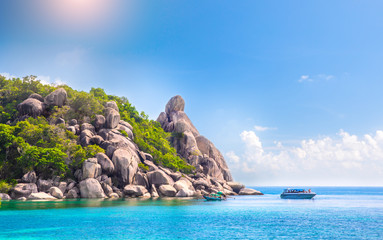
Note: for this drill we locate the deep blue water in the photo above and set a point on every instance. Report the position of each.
(335, 213)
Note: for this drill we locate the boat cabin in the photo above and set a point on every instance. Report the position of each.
(290, 190)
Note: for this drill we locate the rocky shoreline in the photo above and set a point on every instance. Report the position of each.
(116, 173)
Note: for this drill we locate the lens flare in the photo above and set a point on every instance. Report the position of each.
(80, 15)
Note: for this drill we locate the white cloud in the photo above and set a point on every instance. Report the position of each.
(47, 80)
(251, 140)
(262, 129)
(43, 79)
(305, 78)
(232, 157)
(315, 78)
(7, 75)
(342, 160)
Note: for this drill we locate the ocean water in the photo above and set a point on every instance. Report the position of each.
(335, 213)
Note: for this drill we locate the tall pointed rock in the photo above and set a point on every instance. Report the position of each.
(198, 150)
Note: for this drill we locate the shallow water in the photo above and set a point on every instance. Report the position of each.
(342, 213)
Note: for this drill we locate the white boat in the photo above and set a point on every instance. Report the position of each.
(290, 193)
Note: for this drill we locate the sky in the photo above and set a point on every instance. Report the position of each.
(289, 91)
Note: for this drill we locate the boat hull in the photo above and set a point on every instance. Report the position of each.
(297, 195)
(212, 198)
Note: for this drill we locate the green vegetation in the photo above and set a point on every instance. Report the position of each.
(51, 149)
(125, 134)
(148, 134)
(151, 138)
(177, 135)
(5, 187)
(143, 166)
(13, 92)
(34, 144)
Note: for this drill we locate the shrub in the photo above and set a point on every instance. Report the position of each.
(36, 145)
(143, 166)
(92, 150)
(45, 161)
(124, 133)
(177, 135)
(5, 187)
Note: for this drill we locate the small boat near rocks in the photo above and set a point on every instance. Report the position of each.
(219, 196)
(297, 194)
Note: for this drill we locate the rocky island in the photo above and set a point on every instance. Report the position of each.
(72, 144)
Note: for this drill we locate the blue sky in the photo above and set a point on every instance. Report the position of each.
(261, 79)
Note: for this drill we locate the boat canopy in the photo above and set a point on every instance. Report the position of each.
(294, 190)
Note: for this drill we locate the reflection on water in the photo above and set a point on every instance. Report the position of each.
(95, 203)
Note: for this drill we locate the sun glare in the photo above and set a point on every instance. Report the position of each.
(80, 14)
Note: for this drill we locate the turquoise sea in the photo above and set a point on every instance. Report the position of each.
(336, 213)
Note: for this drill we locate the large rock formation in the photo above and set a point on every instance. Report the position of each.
(99, 122)
(112, 118)
(31, 107)
(29, 177)
(91, 169)
(91, 188)
(236, 186)
(185, 188)
(197, 149)
(116, 173)
(159, 177)
(126, 165)
(106, 164)
(23, 190)
(56, 98)
(135, 191)
(35, 105)
(36, 96)
(249, 191)
(44, 185)
(40, 196)
(5, 197)
(56, 192)
(176, 104)
(167, 191)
